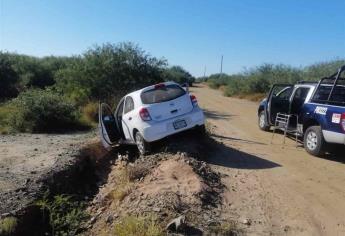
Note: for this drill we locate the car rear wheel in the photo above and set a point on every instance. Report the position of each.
(314, 143)
(200, 130)
(262, 121)
(143, 146)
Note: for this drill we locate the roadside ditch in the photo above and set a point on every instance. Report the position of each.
(170, 191)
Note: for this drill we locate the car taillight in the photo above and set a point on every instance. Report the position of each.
(144, 114)
(342, 121)
(194, 101)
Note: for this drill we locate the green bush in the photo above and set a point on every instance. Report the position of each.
(66, 215)
(109, 70)
(44, 111)
(8, 225)
(5, 110)
(258, 80)
(179, 75)
(8, 78)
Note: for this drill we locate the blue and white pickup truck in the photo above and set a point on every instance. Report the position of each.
(320, 108)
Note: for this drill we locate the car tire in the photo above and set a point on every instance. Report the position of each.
(314, 142)
(262, 121)
(142, 145)
(200, 130)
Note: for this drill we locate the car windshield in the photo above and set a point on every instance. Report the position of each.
(162, 94)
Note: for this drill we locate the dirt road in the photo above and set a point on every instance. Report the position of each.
(276, 189)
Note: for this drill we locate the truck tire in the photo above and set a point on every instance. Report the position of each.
(142, 145)
(262, 121)
(314, 143)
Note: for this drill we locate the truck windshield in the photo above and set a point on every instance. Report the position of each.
(162, 94)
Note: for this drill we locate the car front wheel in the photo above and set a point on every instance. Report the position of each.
(262, 121)
(143, 146)
(314, 143)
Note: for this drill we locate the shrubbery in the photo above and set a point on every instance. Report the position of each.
(52, 90)
(106, 73)
(43, 111)
(259, 80)
(66, 214)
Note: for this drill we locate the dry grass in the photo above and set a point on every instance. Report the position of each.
(226, 229)
(123, 186)
(5, 111)
(90, 112)
(137, 171)
(141, 226)
(8, 225)
(255, 97)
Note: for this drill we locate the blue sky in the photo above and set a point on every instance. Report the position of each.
(190, 33)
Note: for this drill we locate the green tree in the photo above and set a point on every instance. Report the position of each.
(109, 70)
(179, 75)
(8, 78)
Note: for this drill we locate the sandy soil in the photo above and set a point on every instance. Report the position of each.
(279, 188)
(26, 158)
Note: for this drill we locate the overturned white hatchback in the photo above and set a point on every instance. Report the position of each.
(148, 115)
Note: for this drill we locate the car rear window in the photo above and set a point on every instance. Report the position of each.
(162, 94)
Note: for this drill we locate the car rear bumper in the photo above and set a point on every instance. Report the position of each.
(333, 137)
(158, 130)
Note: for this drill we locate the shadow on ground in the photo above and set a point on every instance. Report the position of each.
(205, 147)
(236, 139)
(334, 152)
(216, 115)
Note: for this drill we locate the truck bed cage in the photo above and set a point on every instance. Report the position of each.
(333, 82)
(307, 82)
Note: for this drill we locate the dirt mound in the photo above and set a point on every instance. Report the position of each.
(165, 185)
(173, 175)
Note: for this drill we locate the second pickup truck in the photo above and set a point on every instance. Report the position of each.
(320, 108)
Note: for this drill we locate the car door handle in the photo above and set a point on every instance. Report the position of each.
(129, 118)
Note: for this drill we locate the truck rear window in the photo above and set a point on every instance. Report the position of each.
(162, 94)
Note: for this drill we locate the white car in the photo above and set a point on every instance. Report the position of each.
(148, 115)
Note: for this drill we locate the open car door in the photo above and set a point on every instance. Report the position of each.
(278, 101)
(107, 127)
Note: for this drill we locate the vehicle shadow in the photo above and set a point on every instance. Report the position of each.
(206, 148)
(216, 115)
(236, 139)
(336, 153)
(333, 153)
(225, 156)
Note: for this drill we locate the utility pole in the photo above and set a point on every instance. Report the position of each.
(221, 65)
(204, 71)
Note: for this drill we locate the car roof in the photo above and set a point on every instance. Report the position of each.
(138, 92)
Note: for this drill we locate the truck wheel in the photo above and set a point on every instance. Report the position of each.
(262, 121)
(143, 146)
(314, 143)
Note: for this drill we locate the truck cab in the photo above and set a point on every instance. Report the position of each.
(284, 98)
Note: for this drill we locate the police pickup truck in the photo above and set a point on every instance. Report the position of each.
(318, 108)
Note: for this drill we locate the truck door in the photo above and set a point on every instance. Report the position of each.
(107, 127)
(278, 101)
